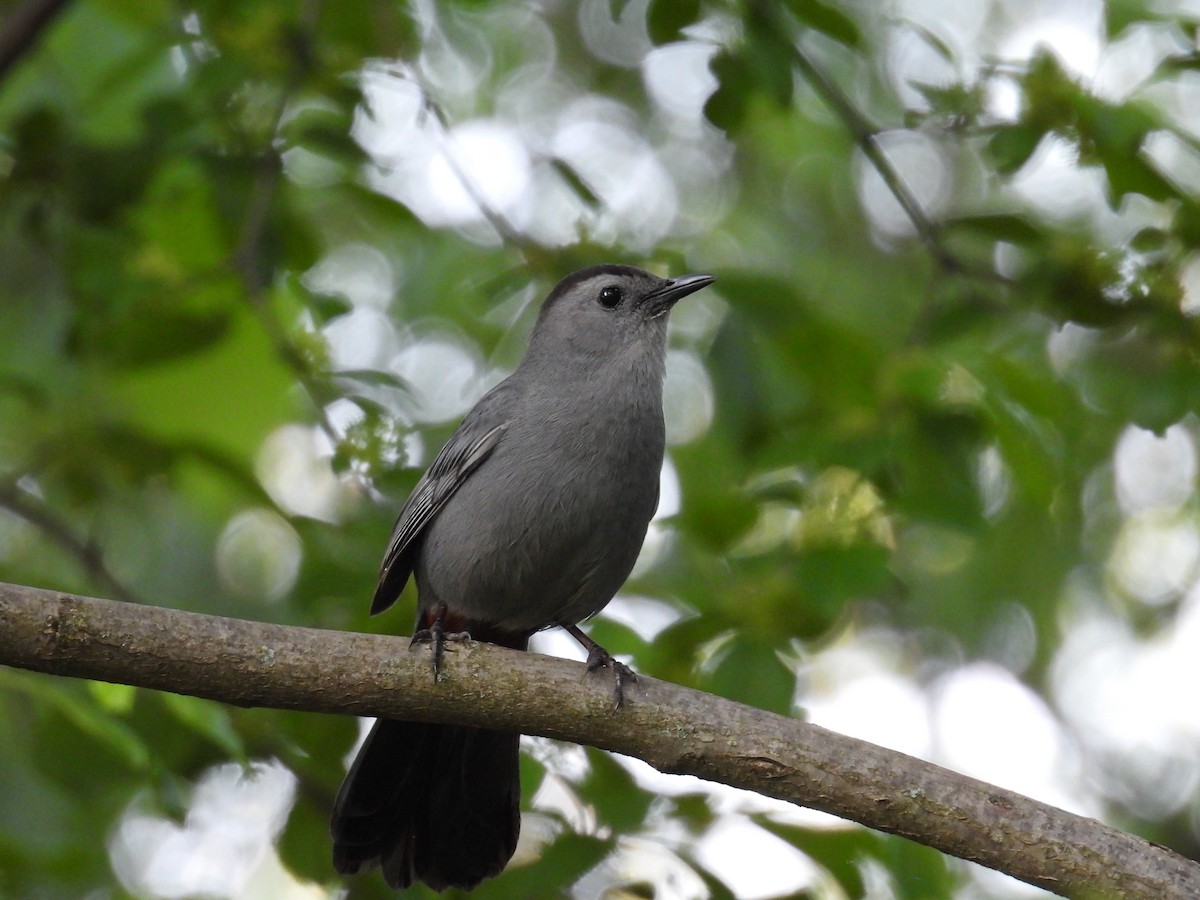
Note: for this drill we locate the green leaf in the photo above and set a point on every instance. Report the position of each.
(920, 872)
(1014, 229)
(772, 58)
(324, 130)
(616, 8)
(1115, 136)
(1120, 15)
(956, 102)
(178, 223)
(829, 20)
(933, 458)
(1187, 223)
(839, 574)
(1150, 240)
(375, 378)
(727, 106)
(839, 850)
(121, 316)
(95, 723)
(561, 864)
(227, 399)
(1010, 146)
(1176, 64)
(693, 810)
(576, 183)
(389, 30)
(1151, 385)
(609, 787)
(665, 19)
(749, 671)
(712, 512)
(936, 43)
(207, 719)
(327, 307)
(1135, 176)
(717, 889)
(1027, 413)
(113, 698)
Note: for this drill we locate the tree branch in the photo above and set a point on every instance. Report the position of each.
(245, 260)
(866, 138)
(675, 729)
(23, 28)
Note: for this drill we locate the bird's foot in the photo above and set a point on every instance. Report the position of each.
(599, 658)
(437, 636)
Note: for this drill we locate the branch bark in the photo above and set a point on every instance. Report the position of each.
(673, 728)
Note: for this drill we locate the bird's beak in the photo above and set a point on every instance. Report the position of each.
(674, 290)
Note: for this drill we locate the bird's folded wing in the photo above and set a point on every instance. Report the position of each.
(461, 456)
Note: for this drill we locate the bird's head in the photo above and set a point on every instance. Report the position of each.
(609, 311)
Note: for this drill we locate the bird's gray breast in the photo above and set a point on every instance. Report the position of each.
(548, 528)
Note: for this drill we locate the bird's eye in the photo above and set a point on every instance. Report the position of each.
(611, 296)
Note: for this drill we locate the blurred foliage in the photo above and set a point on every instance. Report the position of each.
(171, 178)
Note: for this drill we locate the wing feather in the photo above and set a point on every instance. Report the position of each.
(461, 456)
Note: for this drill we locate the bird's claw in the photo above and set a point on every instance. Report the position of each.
(599, 658)
(437, 636)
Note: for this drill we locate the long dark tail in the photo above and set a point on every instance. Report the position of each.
(432, 803)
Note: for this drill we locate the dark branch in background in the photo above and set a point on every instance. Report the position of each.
(22, 29)
(244, 260)
(262, 196)
(266, 183)
(28, 507)
(866, 138)
(494, 217)
(675, 729)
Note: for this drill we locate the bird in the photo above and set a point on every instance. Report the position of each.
(530, 517)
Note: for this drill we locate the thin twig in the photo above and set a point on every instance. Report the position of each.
(245, 256)
(495, 218)
(866, 138)
(28, 507)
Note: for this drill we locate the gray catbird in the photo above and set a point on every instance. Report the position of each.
(530, 517)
